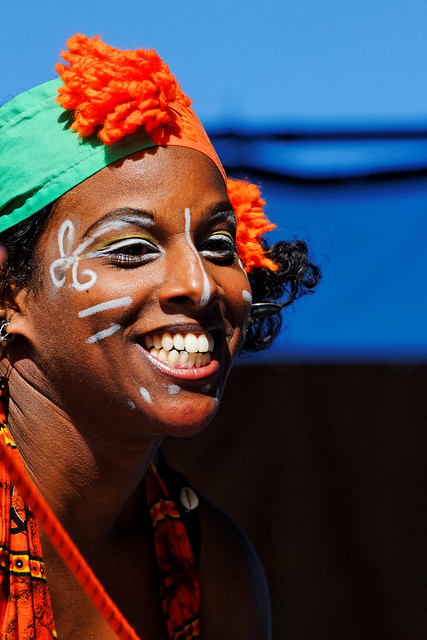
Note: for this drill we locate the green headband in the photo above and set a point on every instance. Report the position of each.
(41, 157)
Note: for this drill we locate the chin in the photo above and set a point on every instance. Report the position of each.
(186, 419)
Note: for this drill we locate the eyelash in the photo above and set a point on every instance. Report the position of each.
(116, 254)
(220, 247)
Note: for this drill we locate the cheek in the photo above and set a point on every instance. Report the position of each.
(238, 295)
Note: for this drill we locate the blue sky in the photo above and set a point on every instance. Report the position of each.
(263, 62)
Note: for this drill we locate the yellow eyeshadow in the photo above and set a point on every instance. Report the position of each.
(110, 243)
(223, 233)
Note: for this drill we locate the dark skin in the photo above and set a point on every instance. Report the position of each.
(155, 230)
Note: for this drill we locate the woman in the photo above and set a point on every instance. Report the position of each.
(124, 303)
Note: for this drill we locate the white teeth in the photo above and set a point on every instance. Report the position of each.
(191, 360)
(191, 343)
(210, 343)
(203, 344)
(198, 362)
(163, 355)
(188, 350)
(157, 341)
(148, 342)
(167, 342)
(173, 358)
(178, 342)
(183, 357)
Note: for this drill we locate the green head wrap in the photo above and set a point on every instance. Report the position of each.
(41, 157)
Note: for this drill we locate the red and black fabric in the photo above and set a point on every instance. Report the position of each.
(25, 606)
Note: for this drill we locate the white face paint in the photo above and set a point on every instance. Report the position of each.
(69, 259)
(106, 333)
(131, 404)
(206, 288)
(103, 306)
(173, 389)
(246, 295)
(143, 391)
(241, 264)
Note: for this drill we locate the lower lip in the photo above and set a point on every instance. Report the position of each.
(196, 373)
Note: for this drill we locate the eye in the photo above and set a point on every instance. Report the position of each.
(220, 247)
(130, 252)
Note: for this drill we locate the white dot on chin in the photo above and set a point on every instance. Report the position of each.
(174, 389)
(143, 391)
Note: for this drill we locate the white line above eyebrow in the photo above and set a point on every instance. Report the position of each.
(123, 221)
(103, 306)
(206, 288)
(106, 333)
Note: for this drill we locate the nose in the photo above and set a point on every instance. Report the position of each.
(186, 280)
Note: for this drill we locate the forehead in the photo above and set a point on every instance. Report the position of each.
(164, 181)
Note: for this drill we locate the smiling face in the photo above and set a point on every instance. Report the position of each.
(143, 303)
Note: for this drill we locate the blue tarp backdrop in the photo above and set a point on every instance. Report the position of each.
(360, 201)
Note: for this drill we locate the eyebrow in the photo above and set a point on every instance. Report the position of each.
(120, 218)
(222, 211)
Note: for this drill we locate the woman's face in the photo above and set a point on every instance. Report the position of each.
(140, 256)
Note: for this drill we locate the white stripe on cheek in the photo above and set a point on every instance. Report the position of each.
(241, 264)
(246, 295)
(103, 306)
(106, 333)
(206, 288)
(143, 391)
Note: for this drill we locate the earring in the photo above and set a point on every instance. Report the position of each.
(261, 310)
(4, 335)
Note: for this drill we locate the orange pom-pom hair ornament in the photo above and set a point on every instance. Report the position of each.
(115, 92)
(116, 103)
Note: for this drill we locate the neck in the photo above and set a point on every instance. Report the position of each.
(88, 471)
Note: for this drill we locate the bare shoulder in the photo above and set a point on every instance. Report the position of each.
(235, 603)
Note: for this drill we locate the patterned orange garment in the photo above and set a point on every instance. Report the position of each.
(25, 607)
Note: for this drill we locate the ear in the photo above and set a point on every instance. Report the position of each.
(14, 310)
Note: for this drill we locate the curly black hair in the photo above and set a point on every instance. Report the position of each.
(296, 275)
(20, 242)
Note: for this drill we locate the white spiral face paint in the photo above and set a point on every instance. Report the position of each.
(104, 306)
(69, 259)
(106, 333)
(246, 295)
(206, 288)
(143, 391)
(174, 389)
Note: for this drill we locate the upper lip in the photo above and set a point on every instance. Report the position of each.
(187, 327)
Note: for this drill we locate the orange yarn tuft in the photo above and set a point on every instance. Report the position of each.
(251, 224)
(114, 92)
